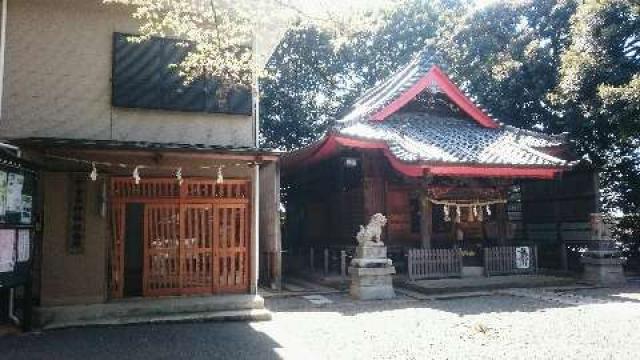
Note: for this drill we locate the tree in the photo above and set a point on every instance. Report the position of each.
(598, 97)
(313, 81)
(298, 98)
(507, 55)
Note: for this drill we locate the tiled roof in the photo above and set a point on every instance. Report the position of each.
(413, 137)
(133, 145)
(385, 92)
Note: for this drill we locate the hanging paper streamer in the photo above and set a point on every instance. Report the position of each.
(447, 215)
(488, 211)
(94, 172)
(179, 176)
(136, 176)
(470, 217)
(480, 214)
(220, 178)
(458, 214)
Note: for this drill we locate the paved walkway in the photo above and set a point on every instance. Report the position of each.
(542, 323)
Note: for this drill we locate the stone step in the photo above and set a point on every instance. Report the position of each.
(144, 310)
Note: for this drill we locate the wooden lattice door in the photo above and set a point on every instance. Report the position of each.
(231, 272)
(197, 249)
(196, 235)
(162, 260)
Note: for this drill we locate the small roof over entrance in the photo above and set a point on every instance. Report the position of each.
(424, 124)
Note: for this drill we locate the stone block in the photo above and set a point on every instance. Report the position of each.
(372, 292)
(375, 280)
(358, 271)
(358, 262)
(371, 252)
(603, 271)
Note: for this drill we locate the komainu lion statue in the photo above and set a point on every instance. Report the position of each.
(370, 235)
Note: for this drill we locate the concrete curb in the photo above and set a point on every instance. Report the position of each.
(239, 315)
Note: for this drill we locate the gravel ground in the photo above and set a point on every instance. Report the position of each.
(509, 324)
(513, 324)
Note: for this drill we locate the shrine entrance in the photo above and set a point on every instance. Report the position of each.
(195, 236)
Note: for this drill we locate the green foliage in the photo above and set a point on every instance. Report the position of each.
(312, 81)
(599, 100)
(296, 106)
(552, 65)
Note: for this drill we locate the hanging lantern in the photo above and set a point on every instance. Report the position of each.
(136, 175)
(179, 176)
(219, 178)
(94, 172)
(447, 215)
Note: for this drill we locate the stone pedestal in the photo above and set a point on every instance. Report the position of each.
(602, 270)
(371, 272)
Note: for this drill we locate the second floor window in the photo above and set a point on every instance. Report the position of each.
(143, 78)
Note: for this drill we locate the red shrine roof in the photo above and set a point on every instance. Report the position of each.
(398, 116)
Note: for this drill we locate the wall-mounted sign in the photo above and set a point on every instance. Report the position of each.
(15, 182)
(7, 250)
(24, 245)
(523, 257)
(3, 193)
(27, 206)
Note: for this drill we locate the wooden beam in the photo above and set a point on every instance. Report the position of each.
(156, 157)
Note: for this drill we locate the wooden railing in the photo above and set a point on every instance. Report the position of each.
(434, 263)
(504, 260)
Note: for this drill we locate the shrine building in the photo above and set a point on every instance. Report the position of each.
(445, 172)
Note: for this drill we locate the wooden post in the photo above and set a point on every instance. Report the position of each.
(501, 217)
(460, 264)
(426, 222)
(410, 269)
(326, 261)
(486, 262)
(535, 257)
(343, 263)
(311, 259)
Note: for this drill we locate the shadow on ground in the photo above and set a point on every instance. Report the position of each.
(230, 340)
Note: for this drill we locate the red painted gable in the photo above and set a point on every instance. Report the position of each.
(435, 76)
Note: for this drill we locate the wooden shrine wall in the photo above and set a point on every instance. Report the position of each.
(325, 205)
(556, 213)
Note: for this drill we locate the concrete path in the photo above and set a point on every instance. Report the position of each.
(541, 323)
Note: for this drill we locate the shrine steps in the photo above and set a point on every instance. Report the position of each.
(158, 310)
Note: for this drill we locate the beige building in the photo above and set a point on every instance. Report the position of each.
(202, 215)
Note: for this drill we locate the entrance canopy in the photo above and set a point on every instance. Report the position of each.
(424, 124)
